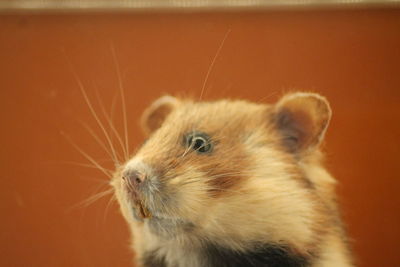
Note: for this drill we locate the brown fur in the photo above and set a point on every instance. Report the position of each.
(262, 182)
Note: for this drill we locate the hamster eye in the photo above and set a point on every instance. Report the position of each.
(199, 142)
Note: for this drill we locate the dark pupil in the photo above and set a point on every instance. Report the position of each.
(199, 144)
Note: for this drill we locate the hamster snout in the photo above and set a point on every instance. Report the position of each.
(133, 179)
(135, 182)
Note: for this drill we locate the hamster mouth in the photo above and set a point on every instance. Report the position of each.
(139, 207)
(137, 202)
(142, 211)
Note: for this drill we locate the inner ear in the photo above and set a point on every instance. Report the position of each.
(154, 116)
(302, 119)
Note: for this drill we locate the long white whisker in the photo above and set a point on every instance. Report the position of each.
(82, 89)
(96, 137)
(116, 158)
(89, 158)
(121, 88)
(186, 151)
(111, 125)
(267, 96)
(112, 109)
(87, 166)
(90, 200)
(212, 63)
(108, 206)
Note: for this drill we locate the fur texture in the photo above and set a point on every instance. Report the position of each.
(260, 197)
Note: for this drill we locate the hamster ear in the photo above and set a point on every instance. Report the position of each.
(154, 116)
(302, 119)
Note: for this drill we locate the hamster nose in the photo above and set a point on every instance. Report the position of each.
(133, 178)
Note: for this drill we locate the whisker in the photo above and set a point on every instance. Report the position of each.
(115, 157)
(110, 201)
(111, 125)
(112, 110)
(212, 63)
(96, 137)
(89, 158)
(85, 96)
(90, 200)
(122, 95)
(87, 166)
(187, 150)
(267, 96)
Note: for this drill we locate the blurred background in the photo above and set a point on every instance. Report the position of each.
(347, 51)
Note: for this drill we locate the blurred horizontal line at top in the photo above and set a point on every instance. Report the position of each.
(77, 5)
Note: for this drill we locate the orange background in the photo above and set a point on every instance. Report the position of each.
(352, 57)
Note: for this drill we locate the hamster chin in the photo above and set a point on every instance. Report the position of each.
(168, 227)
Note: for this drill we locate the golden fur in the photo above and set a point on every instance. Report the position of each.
(263, 181)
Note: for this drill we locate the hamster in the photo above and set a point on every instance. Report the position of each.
(232, 183)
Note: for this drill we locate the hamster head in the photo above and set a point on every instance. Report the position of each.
(225, 169)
